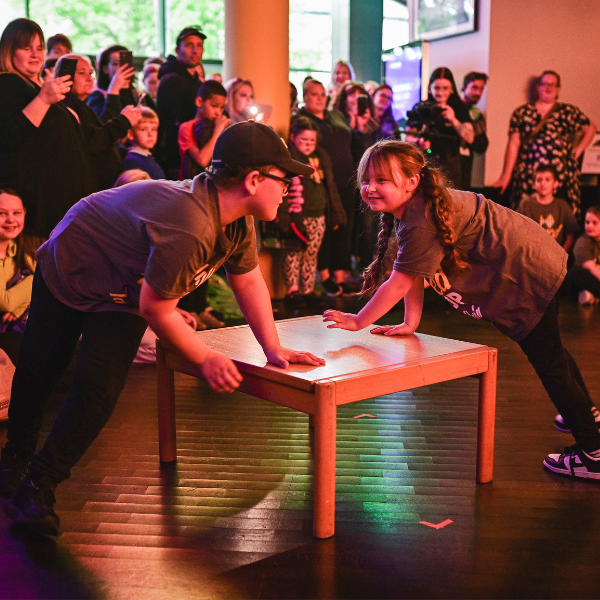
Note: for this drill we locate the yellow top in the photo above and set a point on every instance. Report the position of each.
(17, 298)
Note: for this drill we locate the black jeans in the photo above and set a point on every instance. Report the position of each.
(109, 343)
(561, 378)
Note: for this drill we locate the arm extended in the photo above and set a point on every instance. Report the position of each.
(398, 286)
(510, 159)
(253, 297)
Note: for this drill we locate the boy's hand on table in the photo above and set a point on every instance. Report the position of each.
(220, 372)
(282, 357)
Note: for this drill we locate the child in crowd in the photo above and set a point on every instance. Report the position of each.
(488, 262)
(553, 214)
(105, 284)
(143, 138)
(17, 263)
(305, 216)
(197, 138)
(584, 276)
(17, 256)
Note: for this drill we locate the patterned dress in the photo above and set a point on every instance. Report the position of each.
(553, 145)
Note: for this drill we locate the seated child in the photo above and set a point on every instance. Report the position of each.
(305, 218)
(143, 138)
(17, 254)
(197, 137)
(553, 214)
(584, 276)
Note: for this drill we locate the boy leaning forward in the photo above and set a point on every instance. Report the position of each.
(121, 258)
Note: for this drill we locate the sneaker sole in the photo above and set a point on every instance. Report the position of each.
(586, 475)
(47, 526)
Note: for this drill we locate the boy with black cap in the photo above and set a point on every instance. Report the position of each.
(179, 79)
(121, 256)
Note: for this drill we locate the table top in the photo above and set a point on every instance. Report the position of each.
(347, 353)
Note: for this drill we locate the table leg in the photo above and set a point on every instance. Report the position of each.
(487, 419)
(167, 433)
(325, 437)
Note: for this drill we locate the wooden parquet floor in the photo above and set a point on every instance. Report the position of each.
(233, 518)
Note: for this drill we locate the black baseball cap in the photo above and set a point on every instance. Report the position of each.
(252, 144)
(190, 31)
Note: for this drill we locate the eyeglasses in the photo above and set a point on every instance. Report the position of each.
(549, 85)
(286, 182)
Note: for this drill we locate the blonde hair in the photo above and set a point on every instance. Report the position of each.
(148, 114)
(130, 176)
(390, 158)
(17, 34)
(232, 86)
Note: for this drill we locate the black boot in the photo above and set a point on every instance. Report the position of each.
(32, 505)
(13, 469)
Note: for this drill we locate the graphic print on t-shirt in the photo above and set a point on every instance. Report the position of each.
(203, 274)
(441, 284)
(317, 175)
(548, 224)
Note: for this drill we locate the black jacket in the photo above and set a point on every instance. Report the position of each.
(176, 102)
(48, 165)
(100, 140)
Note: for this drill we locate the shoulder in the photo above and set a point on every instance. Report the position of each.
(8, 80)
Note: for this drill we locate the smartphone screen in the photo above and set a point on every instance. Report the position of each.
(68, 66)
(126, 58)
(362, 104)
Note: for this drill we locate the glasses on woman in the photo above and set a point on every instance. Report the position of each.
(286, 182)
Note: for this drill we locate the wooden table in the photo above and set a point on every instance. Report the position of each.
(359, 365)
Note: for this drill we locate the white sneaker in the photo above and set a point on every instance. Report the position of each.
(586, 297)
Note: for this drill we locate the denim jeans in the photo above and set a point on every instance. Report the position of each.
(562, 379)
(109, 343)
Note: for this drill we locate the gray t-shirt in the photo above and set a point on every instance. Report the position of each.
(556, 218)
(586, 249)
(166, 232)
(515, 269)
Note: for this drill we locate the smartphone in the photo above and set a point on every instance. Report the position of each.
(68, 66)
(126, 58)
(362, 102)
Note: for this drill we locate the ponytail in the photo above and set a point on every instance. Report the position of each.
(372, 274)
(390, 156)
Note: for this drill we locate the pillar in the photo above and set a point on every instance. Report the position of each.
(257, 48)
(357, 36)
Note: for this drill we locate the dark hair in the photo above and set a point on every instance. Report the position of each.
(345, 91)
(102, 78)
(391, 157)
(388, 115)
(17, 34)
(27, 246)
(211, 88)
(228, 177)
(50, 62)
(474, 76)
(59, 38)
(546, 168)
(444, 73)
(310, 81)
(302, 124)
(594, 209)
(549, 72)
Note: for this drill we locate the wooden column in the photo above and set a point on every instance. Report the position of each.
(257, 48)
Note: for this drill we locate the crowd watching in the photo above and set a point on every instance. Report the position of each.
(71, 126)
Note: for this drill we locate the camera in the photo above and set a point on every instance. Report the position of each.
(425, 114)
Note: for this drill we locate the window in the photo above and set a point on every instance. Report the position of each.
(395, 24)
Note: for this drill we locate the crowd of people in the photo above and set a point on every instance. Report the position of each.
(346, 181)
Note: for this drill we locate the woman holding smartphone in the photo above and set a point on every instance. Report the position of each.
(42, 151)
(114, 75)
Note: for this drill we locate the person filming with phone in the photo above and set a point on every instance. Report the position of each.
(440, 124)
(42, 151)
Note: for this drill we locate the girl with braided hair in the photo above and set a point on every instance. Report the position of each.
(488, 262)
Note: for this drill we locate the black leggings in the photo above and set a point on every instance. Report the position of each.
(109, 343)
(579, 279)
(562, 379)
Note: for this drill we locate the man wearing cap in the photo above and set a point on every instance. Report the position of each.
(179, 80)
(119, 260)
